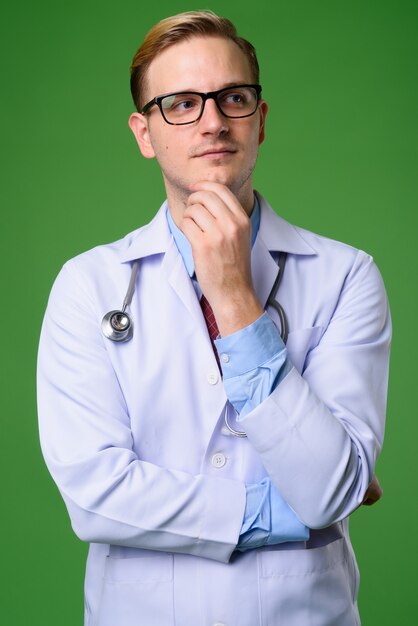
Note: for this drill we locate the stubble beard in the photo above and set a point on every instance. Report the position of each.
(179, 189)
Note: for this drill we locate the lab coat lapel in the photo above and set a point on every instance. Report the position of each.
(274, 235)
(278, 235)
(204, 359)
(155, 238)
(263, 269)
(174, 270)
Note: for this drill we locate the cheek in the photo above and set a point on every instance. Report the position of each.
(162, 147)
(168, 146)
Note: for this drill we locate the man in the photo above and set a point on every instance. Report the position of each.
(211, 467)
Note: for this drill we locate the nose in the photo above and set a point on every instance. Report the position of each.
(212, 121)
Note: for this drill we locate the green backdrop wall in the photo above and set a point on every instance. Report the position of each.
(340, 159)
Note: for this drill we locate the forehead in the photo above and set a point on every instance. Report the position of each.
(198, 64)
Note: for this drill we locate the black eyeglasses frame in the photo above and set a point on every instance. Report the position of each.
(208, 95)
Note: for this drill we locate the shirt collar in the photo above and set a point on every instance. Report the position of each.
(183, 244)
(156, 238)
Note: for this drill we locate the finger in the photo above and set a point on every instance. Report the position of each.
(370, 501)
(213, 203)
(376, 484)
(223, 192)
(201, 216)
(226, 219)
(372, 495)
(374, 489)
(190, 230)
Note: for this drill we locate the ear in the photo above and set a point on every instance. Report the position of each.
(138, 124)
(263, 114)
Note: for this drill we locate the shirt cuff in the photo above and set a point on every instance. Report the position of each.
(268, 519)
(257, 510)
(249, 347)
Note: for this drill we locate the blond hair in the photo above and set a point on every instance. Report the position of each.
(179, 28)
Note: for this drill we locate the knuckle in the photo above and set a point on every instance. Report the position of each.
(234, 231)
(218, 238)
(237, 229)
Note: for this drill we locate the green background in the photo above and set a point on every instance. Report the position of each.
(339, 159)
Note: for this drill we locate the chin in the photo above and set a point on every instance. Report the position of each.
(214, 175)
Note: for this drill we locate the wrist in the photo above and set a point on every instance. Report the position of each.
(235, 312)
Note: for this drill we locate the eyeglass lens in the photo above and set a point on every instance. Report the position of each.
(182, 108)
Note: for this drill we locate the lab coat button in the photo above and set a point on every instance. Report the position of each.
(212, 377)
(219, 624)
(225, 358)
(218, 460)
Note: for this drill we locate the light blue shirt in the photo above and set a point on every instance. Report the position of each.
(257, 362)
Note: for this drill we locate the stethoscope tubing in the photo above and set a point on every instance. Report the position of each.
(112, 332)
(131, 287)
(273, 302)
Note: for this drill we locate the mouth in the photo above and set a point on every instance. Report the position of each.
(215, 153)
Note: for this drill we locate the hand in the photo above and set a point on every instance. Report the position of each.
(219, 231)
(374, 492)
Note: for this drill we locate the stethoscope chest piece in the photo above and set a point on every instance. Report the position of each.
(117, 326)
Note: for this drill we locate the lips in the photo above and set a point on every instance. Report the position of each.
(215, 151)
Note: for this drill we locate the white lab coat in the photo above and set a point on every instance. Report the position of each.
(129, 432)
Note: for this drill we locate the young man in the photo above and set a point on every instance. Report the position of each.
(212, 466)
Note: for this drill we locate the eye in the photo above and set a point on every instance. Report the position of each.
(184, 105)
(234, 98)
(180, 103)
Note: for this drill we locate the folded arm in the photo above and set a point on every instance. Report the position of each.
(112, 496)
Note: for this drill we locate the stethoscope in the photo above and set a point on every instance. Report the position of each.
(117, 325)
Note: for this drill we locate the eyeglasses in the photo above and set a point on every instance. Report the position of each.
(186, 107)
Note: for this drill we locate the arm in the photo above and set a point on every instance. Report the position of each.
(111, 495)
(257, 363)
(325, 428)
(319, 434)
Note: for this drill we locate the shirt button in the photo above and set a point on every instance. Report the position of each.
(225, 358)
(212, 377)
(218, 460)
(219, 624)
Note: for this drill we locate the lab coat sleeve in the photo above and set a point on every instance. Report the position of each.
(112, 496)
(319, 434)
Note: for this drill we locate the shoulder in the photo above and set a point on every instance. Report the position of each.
(307, 246)
(90, 278)
(145, 241)
(109, 252)
(321, 266)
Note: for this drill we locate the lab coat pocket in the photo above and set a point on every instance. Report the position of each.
(312, 587)
(138, 591)
(300, 342)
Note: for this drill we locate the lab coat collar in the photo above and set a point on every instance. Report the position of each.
(274, 231)
(153, 238)
(277, 234)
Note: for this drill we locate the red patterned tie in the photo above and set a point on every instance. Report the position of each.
(211, 324)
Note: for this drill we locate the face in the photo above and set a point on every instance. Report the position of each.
(215, 148)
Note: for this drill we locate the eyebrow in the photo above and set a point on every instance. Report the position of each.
(234, 83)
